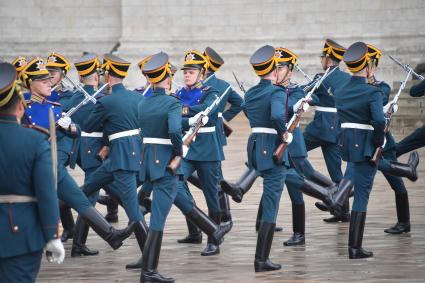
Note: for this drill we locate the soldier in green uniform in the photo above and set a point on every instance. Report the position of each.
(29, 214)
(160, 121)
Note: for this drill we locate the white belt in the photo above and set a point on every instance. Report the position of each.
(16, 199)
(92, 135)
(157, 141)
(206, 130)
(357, 126)
(220, 114)
(124, 134)
(325, 109)
(264, 130)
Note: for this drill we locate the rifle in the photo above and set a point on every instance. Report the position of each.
(389, 116)
(84, 101)
(79, 88)
(407, 68)
(307, 77)
(292, 124)
(242, 88)
(189, 137)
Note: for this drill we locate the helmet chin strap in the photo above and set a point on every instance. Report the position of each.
(198, 78)
(284, 79)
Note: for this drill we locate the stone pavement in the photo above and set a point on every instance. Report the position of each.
(398, 258)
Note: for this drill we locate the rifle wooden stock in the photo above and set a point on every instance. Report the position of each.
(227, 129)
(280, 150)
(378, 152)
(176, 161)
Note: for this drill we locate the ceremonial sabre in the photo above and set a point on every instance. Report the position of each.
(54, 154)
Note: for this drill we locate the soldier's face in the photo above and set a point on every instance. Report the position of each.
(56, 76)
(43, 88)
(282, 74)
(190, 76)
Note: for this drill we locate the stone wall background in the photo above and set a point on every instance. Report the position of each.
(234, 28)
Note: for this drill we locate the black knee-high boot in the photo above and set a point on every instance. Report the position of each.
(141, 232)
(403, 215)
(241, 187)
(67, 220)
(262, 252)
(226, 216)
(334, 198)
(355, 238)
(212, 247)
(111, 208)
(79, 247)
(151, 258)
(195, 234)
(98, 223)
(344, 217)
(298, 225)
(208, 225)
(408, 170)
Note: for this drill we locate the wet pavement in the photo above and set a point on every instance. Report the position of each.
(324, 258)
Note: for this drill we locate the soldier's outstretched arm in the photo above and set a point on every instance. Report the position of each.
(45, 191)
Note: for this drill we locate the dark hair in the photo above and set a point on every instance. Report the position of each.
(10, 107)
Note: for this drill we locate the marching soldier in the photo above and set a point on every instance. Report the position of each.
(30, 194)
(58, 66)
(265, 106)
(325, 127)
(160, 121)
(36, 78)
(214, 63)
(235, 101)
(362, 121)
(389, 165)
(297, 178)
(183, 199)
(205, 153)
(117, 113)
(90, 145)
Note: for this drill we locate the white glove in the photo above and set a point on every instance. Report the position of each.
(298, 104)
(185, 150)
(288, 137)
(55, 247)
(388, 106)
(195, 118)
(65, 122)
